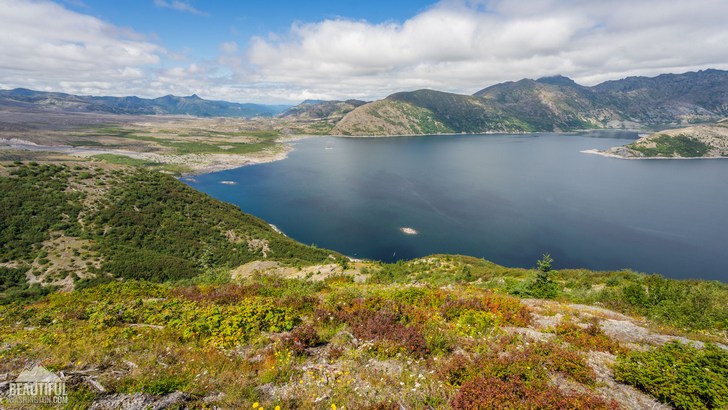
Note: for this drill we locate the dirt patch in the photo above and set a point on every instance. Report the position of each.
(314, 272)
(64, 257)
(261, 246)
(140, 401)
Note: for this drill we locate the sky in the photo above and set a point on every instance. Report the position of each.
(288, 51)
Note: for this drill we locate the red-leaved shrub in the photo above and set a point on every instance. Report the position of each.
(484, 393)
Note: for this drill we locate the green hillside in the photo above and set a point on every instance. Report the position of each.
(82, 223)
(699, 141)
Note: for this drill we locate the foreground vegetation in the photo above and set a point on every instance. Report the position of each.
(155, 310)
(303, 344)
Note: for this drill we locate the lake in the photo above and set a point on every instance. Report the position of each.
(505, 198)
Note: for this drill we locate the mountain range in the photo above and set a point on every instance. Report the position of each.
(547, 104)
(168, 105)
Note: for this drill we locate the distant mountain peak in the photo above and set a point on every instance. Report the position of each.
(313, 101)
(556, 80)
(194, 97)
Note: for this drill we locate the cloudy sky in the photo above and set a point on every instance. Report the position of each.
(287, 51)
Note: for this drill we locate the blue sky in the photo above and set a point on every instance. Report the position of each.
(204, 25)
(286, 51)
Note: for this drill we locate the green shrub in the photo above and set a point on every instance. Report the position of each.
(687, 304)
(680, 375)
(474, 323)
(440, 340)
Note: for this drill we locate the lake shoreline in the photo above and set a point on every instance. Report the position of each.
(199, 164)
(611, 155)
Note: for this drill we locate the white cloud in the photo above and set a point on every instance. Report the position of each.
(46, 46)
(455, 45)
(179, 6)
(229, 47)
(463, 46)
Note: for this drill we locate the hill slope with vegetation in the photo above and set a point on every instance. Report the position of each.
(701, 141)
(65, 224)
(550, 104)
(182, 301)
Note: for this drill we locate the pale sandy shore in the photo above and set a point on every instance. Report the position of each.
(611, 155)
(603, 153)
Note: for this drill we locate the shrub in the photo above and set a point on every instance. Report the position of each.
(678, 374)
(591, 338)
(370, 319)
(687, 304)
(207, 324)
(457, 370)
(515, 393)
(226, 294)
(536, 361)
(506, 309)
(474, 323)
(302, 337)
(383, 325)
(440, 339)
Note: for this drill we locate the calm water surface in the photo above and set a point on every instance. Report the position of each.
(506, 198)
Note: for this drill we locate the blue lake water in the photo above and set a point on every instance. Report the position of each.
(506, 198)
